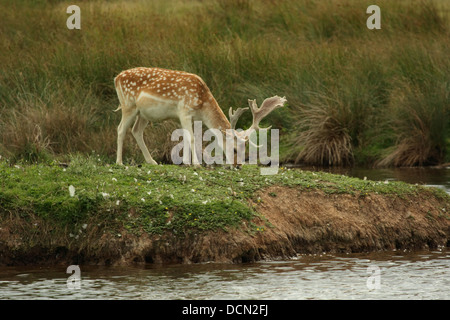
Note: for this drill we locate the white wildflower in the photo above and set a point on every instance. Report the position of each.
(142, 199)
(117, 202)
(114, 179)
(105, 195)
(72, 190)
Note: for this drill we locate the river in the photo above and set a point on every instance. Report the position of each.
(378, 275)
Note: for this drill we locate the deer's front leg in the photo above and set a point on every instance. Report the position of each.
(186, 124)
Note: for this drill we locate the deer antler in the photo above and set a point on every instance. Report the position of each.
(267, 107)
(234, 116)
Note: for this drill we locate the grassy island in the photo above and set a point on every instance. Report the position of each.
(92, 212)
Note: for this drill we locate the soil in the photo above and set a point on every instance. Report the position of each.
(290, 222)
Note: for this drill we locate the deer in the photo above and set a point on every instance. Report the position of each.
(157, 94)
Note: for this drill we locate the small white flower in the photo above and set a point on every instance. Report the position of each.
(105, 195)
(171, 196)
(135, 180)
(117, 202)
(72, 190)
(195, 173)
(149, 192)
(205, 202)
(84, 226)
(193, 190)
(143, 200)
(114, 179)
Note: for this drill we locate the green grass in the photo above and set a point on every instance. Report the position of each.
(56, 86)
(159, 199)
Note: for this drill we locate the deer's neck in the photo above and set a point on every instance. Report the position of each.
(214, 116)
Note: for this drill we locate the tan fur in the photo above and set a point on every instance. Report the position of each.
(156, 94)
(153, 94)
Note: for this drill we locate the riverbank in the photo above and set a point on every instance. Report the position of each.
(90, 213)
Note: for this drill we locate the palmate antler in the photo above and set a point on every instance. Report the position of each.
(234, 116)
(267, 107)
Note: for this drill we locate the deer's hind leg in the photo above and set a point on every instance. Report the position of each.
(128, 116)
(138, 133)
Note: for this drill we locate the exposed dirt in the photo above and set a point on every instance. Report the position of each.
(294, 222)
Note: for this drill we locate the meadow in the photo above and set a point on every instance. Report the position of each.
(355, 96)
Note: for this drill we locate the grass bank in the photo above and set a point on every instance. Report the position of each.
(91, 212)
(355, 95)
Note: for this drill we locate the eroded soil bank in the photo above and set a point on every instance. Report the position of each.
(292, 221)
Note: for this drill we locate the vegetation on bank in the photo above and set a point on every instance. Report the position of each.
(355, 95)
(89, 196)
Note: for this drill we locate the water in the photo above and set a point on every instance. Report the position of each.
(402, 275)
(432, 177)
(387, 275)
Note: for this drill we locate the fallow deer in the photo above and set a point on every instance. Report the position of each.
(156, 94)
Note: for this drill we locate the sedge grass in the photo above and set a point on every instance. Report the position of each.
(56, 88)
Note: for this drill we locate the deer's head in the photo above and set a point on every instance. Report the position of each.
(258, 113)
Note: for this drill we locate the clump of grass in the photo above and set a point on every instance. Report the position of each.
(323, 138)
(420, 125)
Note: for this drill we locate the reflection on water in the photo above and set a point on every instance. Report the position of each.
(402, 275)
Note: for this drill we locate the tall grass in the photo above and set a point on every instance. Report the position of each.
(348, 88)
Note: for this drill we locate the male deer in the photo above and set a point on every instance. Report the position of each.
(155, 94)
